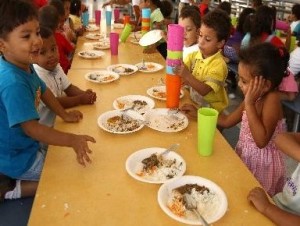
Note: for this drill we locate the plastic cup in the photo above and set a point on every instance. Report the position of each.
(207, 123)
(116, 14)
(173, 86)
(114, 43)
(85, 19)
(126, 32)
(146, 12)
(175, 37)
(126, 19)
(108, 18)
(293, 43)
(97, 17)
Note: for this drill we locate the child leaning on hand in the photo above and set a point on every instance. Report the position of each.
(21, 90)
(287, 209)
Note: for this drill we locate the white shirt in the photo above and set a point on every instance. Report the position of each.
(190, 49)
(289, 198)
(57, 82)
(294, 63)
(294, 24)
(136, 2)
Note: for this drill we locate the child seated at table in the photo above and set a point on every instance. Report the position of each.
(287, 209)
(261, 69)
(68, 27)
(21, 158)
(156, 22)
(190, 20)
(49, 70)
(295, 17)
(205, 71)
(75, 16)
(49, 19)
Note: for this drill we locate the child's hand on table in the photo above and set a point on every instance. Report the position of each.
(190, 110)
(72, 116)
(80, 146)
(89, 97)
(259, 199)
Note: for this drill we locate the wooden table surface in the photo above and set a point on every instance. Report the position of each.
(103, 193)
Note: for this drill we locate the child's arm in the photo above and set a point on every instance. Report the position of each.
(280, 217)
(50, 101)
(51, 136)
(189, 79)
(76, 96)
(289, 143)
(227, 121)
(262, 125)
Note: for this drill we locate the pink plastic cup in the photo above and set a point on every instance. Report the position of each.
(116, 14)
(114, 43)
(97, 17)
(175, 37)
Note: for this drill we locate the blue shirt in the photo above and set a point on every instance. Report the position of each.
(20, 94)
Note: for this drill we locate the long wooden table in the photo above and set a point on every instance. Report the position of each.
(103, 193)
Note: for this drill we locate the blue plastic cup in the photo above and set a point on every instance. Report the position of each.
(146, 13)
(85, 19)
(108, 18)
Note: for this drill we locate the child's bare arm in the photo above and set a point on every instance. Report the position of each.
(49, 99)
(289, 143)
(76, 96)
(280, 217)
(227, 121)
(51, 136)
(262, 124)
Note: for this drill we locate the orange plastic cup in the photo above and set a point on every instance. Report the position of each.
(126, 19)
(173, 86)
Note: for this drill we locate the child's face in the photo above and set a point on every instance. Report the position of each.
(144, 4)
(61, 23)
(67, 8)
(22, 45)
(244, 77)
(190, 31)
(48, 56)
(208, 41)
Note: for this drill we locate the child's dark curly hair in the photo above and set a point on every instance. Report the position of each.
(14, 13)
(48, 17)
(267, 61)
(296, 11)
(219, 21)
(75, 7)
(193, 13)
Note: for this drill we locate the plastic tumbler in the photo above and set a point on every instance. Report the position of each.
(114, 43)
(173, 86)
(126, 19)
(108, 18)
(207, 123)
(116, 14)
(97, 17)
(126, 32)
(85, 19)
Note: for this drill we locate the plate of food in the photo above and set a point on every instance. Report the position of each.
(138, 103)
(91, 54)
(160, 93)
(149, 67)
(119, 122)
(101, 45)
(94, 36)
(123, 69)
(92, 27)
(210, 199)
(101, 76)
(118, 26)
(151, 166)
(166, 120)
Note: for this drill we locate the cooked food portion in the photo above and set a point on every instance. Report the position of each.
(122, 123)
(121, 69)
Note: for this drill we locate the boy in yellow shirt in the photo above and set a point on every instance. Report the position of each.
(205, 71)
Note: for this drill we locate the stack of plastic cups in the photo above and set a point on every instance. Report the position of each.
(145, 20)
(174, 58)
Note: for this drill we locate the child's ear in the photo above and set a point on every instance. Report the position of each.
(267, 86)
(220, 44)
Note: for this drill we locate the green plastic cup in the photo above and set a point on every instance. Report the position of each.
(126, 32)
(207, 123)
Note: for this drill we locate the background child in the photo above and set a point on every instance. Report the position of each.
(65, 47)
(156, 22)
(49, 70)
(205, 71)
(68, 27)
(189, 18)
(295, 17)
(75, 16)
(261, 69)
(20, 155)
(287, 211)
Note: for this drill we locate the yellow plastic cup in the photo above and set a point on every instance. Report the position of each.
(126, 32)
(207, 123)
